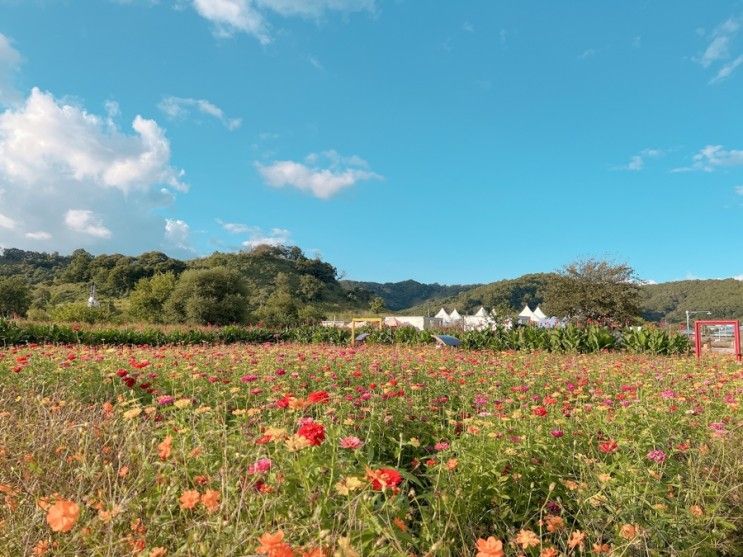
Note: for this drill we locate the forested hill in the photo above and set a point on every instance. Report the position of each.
(660, 302)
(406, 294)
(272, 283)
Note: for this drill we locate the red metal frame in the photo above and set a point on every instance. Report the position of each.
(698, 337)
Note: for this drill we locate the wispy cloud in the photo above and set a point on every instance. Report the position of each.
(713, 157)
(250, 16)
(256, 236)
(637, 162)
(180, 107)
(739, 190)
(10, 60)
(586, 54)
(717, 54)
(321, 174)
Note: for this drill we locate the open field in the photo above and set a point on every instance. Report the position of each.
(377, 451)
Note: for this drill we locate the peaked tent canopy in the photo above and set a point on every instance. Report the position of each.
(481, 312)
(526, 312)
(442, 315)
(454, 315)
(539, 314)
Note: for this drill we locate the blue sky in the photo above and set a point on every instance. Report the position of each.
(455, 142)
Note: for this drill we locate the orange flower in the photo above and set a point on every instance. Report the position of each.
(452, 463)
(41, 548)
(628, 532)
(554, 523)
(527, 539)
(269, 542)
(210, 499)
(601, 548)
(123, 471)
(491, 547)
(189, 499)
(576, 539)
(317, 552)
(165, 448)
(158, 552)
(63, 515)
(548, 552)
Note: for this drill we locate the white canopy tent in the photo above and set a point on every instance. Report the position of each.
(539, 314)
(481, 312)
(442, 315)
(454, 316)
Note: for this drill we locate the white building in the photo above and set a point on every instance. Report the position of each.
(418, 321)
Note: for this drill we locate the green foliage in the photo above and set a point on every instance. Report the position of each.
(595, 291)
(79, 312)
(376, 305)
(15, 297)
(216, 296)
(668, 301)
(402, 295)
(147, 300)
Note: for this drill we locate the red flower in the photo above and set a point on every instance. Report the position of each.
(313, 432)
(539, 411)
(608, 447)
(318, 397)
(384, 478)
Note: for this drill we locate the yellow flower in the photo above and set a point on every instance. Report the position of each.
(296, 443)
(133, 413)
(182, 403)
(347, 485)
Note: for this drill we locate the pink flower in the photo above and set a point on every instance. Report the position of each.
(261, 466)
(657, 455)
(441, 446)
(350, 442)
(249, 378)
(557, 433)
(165, 400)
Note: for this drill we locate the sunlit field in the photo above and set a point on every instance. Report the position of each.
(289, 450)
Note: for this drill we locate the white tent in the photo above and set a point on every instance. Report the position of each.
(526, 312)
(539, 314)
(454, 316)
(481, 312)
(442, 315)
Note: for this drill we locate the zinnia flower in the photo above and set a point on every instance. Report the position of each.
(526, 539)
(350, 442)
(608, 447)
(491, 547)
(318, 397)
(210, 500)
(261, 465)
(63, 515)
(189, 499)
(384, 478)
(657, 455)
(314, 433)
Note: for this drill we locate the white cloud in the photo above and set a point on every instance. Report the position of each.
(276, 237)
(323, 174)
(75, 179)
(38, 235)
(739, 190)
(7, 222)
(249, 16)
(586, 54)
(177, 232)
(637, 162)
(10, 60)
(713, 157)
(47, 140)
(738, 277)
(722, 40)
(178, 107)
(86, 222)
(727, 70)
(235, 227)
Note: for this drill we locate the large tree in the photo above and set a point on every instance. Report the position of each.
(15, 297)
(595, 290)
(216, 296)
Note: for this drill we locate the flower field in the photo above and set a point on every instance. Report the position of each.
(317, 450)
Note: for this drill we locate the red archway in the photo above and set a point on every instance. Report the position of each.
(736, 336)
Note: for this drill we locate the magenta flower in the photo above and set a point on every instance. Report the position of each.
(165, 400)
(249, 378)
(441, 446)
(557, 433)
(350, 442)
(261, 466)
(657, 455)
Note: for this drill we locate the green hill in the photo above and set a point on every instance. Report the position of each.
(401, 295)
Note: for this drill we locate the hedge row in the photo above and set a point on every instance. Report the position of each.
(569, 339)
